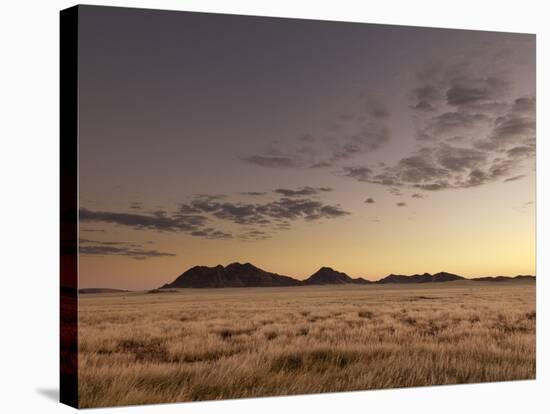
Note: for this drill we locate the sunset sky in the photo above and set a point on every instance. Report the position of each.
(292, 144)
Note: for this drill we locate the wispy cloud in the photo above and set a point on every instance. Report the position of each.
(515, 178)
(136, 205)
(116, 248)
(348, 136)
(304, 191)
(158, 220)
(202, 215)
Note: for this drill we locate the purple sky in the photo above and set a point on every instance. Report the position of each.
(208, 138)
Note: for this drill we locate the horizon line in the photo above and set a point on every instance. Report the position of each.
(320, 268)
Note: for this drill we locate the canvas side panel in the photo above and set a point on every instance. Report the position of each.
(69, 206)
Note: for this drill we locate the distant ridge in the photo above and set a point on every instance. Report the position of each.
(248, 275)
(503, 278)
(100, 290)
(424, 278)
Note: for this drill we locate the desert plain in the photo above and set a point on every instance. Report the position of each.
(208, 344)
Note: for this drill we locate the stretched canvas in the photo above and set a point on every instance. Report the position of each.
(256, 206)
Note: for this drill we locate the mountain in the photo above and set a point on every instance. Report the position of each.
(233, 275)
(329, 276)
(100, 290)
(503, 278)
(424, 278)
(361, 281)
(524, 277)
(248, 275)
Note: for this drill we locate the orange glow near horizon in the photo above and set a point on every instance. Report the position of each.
(434, 234)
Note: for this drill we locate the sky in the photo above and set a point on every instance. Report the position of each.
(293, 144)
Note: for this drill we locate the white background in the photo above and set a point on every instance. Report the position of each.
(29, 194)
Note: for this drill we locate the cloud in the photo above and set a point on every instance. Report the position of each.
(515, 178)
(137, 254)
(211, 196)
(111, 248)
(107, 243)
(453, 100)
(322, 164)
(158, 220)
(234, 212)
(460, 159)
(359, 173)
(501, 168)
(426, 97)
(521, 151)
(451, 124)
(370, 134)
(524, 206)
(419, 168)
(524, 105)
(468, 92)
(136, 205)
(417, 195)
(512, 127)
(254, 193)
(401, 204)
(349, 135)
(443, 167)
(470, 128)
(328, 212)
(210, 233)
(187, 209)
(291, 207)
(476, 178)
(304, 191)
(198, 216)
(254, 235)
(491, 146)
(370, 201)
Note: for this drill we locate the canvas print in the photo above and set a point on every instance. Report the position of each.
(258, 206)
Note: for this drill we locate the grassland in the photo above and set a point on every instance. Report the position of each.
(189, 345)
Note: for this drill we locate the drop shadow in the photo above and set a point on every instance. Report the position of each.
(51, 394)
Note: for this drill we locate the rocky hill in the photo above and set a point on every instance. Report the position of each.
(233, 275)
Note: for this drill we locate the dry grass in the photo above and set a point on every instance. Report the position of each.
(230, 343)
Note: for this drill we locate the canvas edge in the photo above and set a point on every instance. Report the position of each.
(68, 131)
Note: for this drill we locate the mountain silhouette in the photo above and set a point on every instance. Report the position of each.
(233, 275)
(423, 278)
(248, 275)
(329, 276)
(100, 290)
(503, 278)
